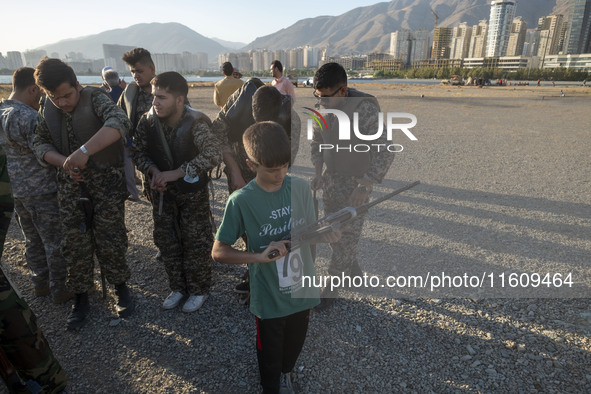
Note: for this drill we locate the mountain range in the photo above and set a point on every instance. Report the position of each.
(156, 37)
(367, 29)
(361, 30)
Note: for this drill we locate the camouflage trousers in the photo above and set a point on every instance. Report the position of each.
(336, 192)
(183, 233)
(39, 219)
(24, 344)
(105, 235)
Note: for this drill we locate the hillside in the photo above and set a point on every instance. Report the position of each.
(367, 29)
(156, 37)
(361, 30)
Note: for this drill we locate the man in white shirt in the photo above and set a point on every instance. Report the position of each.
(280, 82)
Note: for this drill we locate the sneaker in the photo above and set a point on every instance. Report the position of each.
(194, 302)
(125, 304)
(173, 300)
(77, 317)
(285, 384)
(242, 288)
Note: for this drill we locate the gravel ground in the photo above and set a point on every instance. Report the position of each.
(504, 188)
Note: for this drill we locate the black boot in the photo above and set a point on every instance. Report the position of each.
(77, 317)
(125, 303)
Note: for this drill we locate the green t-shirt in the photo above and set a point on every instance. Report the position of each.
(276, 287)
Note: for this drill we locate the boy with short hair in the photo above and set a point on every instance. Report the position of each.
(267, 209)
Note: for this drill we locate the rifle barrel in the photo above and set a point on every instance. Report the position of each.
(365, 207)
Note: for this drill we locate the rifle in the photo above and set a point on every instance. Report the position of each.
(333, 222)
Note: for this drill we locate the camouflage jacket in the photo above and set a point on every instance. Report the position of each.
(103, 107)
(143, 104)
(379, 162)
(29, 176)
(208, 145)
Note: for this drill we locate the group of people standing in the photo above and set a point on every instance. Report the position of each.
(66, 161)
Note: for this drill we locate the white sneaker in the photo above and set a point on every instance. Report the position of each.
(173, 300)
(194, 302)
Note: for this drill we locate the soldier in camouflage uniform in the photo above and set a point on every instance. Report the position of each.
(21, 340)
(253, 102)
(136, 100)
(176, 149)
(81, 132)
(34, 188)
(349, 176)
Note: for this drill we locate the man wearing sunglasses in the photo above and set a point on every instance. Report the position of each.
(345, 175)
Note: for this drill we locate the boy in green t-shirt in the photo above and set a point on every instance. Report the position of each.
(267, 209)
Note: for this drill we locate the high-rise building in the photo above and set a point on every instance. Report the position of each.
(194, 61)
(420, 45)
(477, 46)
(258, 60)
(310, 57)
(14, 60)
(268, 58)
(281, 55)
(579, 34)
(400, 45)
(113, 54)
(501, 17)
(441, 43)
(460, 41)
(32, 58)
(528, 46)
(517, 37)
(550, 28)
(561, 48)
(167, 61)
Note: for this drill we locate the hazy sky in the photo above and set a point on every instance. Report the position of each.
(30, 24)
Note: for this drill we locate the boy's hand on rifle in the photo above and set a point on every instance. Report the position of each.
(275, 251)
